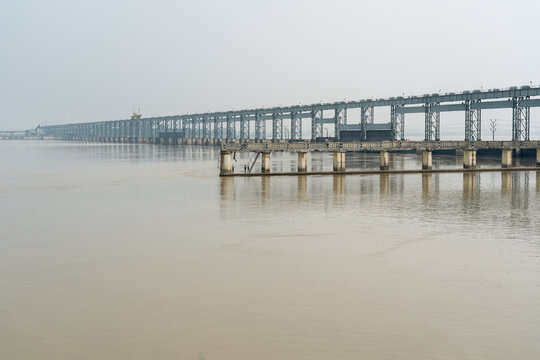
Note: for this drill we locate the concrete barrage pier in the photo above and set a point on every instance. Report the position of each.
(339, 152)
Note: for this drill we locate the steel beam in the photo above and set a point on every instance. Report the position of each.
(411, 109)
(477, 104)
(448, 107)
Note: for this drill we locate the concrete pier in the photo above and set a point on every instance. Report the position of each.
(302, 161)
(385, 160)
(469, 159)
(339, 161)
(265, 162)
(507, 158)
(225, 166)
(427, 156)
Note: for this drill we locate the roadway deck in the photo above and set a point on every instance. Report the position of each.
(393, 146)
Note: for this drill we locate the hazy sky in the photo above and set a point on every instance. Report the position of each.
(77, 61)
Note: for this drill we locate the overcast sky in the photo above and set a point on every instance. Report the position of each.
(77, 61)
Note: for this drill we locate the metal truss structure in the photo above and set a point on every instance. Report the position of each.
(473, 122)
(222, 125)
(260, 127)
(432, 126)
(277, 126)
(296, 126)
(316, 124)
(244, 128)
(521, 120)
(340, 118)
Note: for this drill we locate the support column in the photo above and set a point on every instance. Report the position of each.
(432, 126)
(521, 120)
(296, 125)
(265, 162)
(366, 117)
(427, 159)
(225, 163)
(302, 162)
(507, 158)
(473, 121)
(277, 127)
(469, 159)
(316, 127)
(244, 128)
(538, 157)
(340, 118)
(385, 160)
(339, 161)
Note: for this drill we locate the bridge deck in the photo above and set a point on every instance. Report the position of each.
(308, 146)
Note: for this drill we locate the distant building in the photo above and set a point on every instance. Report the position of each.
(374, 132)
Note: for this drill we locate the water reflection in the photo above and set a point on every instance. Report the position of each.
(427, 180)
(338, 184)
(470, 184)
(226, 188)
(506, 182)
(302, 187)
(480, 196)
(520, 190)
(265, 187)
(384, 184)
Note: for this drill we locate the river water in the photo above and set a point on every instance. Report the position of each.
(142, 252)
